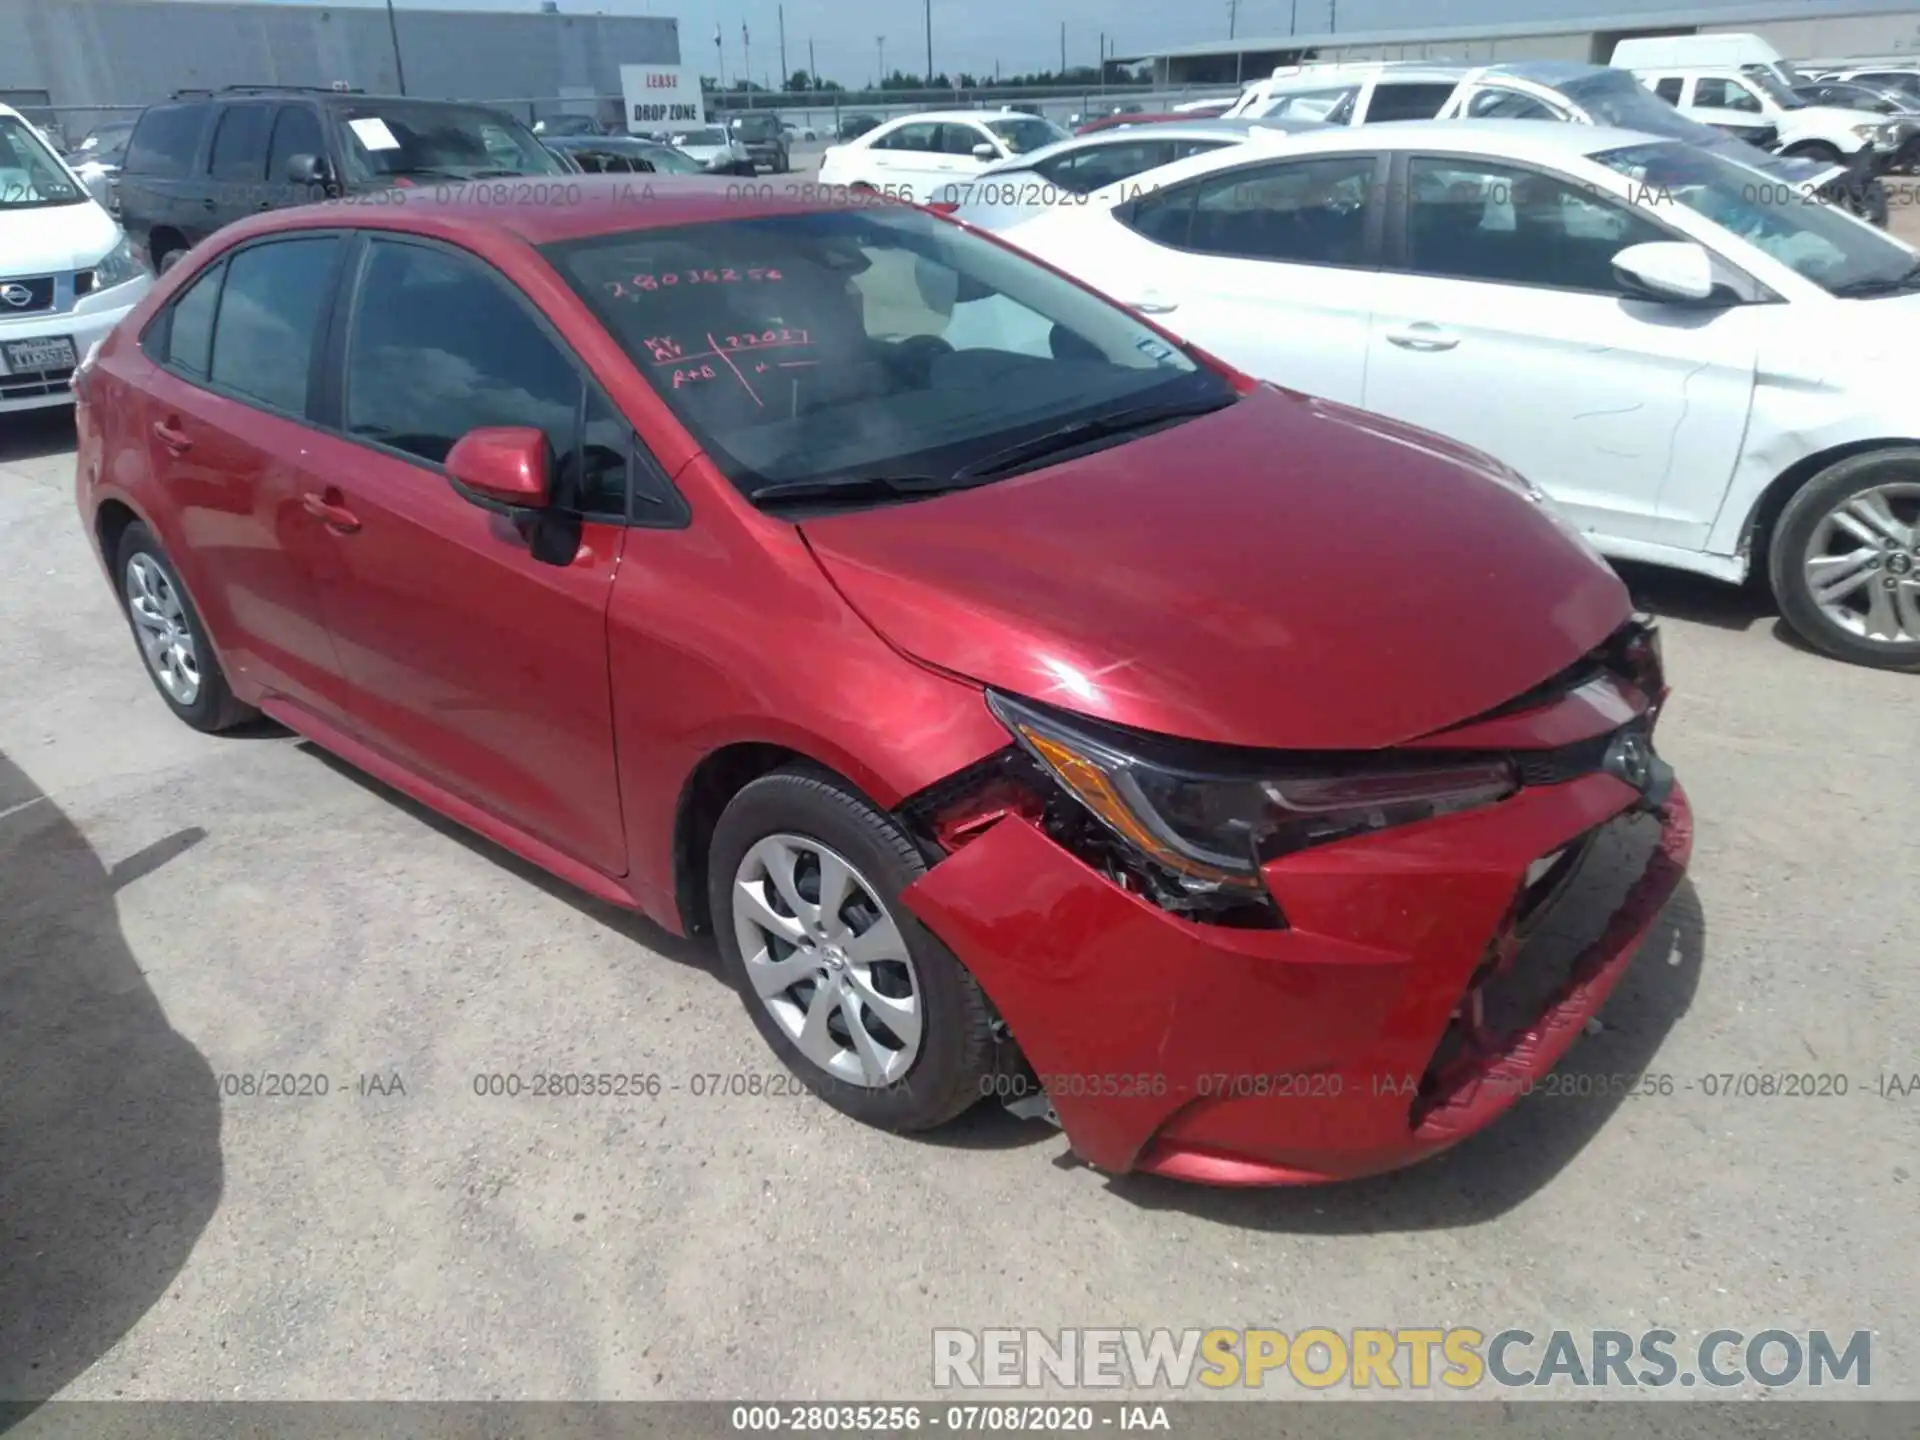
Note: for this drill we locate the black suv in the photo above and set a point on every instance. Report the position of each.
(765, 138)
(200, 161)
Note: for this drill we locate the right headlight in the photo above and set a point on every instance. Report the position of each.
(1211, 829)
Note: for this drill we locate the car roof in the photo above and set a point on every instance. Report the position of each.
(955, 116)
(1239, 128)
(1551, 72)
(1549, 142)
(601, 205)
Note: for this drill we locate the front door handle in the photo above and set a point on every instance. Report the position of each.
(328, 509)
(1153, 305)
(172, 436)
(1423, 336)
(207, 204)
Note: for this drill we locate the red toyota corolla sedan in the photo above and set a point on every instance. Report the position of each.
(1056, 716)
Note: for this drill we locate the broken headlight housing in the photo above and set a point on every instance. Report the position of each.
(1196, 828)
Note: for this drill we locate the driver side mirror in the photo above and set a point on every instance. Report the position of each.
(505, 468)
(984, 151)
(1667, 272)
(309, 170)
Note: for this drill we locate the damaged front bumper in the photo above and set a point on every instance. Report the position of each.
(1352, 1041)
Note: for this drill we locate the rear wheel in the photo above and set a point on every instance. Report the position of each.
(1845, 560)
(173, 641)
(1816, 150)
(860, 1001)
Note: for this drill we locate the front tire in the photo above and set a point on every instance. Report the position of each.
(856, 997)
(1845, 560)
(171, 636)
(1816, 150)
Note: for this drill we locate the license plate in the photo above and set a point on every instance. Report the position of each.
(28, 357)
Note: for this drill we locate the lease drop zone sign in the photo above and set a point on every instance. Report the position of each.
(661, 95)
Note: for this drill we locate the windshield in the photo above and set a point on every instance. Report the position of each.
(1769, 84)
(1816, 240)
(861, 344)
(1021, 133)
(757, 127)
(30, 178)
(401, 137)
(1614, 97)
(712, 135)
(669, 161)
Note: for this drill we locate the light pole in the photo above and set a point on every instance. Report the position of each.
(880, 66)
(785, 74)
(719, 60)
(393, 34)
(929, 44)
(746, 64)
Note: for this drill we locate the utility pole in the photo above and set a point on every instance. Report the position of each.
(1063, 49)
(1103, 61)
(813, 75)
(393, 34)
(1333, 16)
(929, 44)
(719, 59)
(881, 67)
(1293, 19)
(1233, 17)
(785, 74)
(746, 64)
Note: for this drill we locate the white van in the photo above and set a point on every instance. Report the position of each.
(67, 273)
(1747, 53)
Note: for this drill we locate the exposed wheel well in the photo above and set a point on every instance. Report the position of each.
(1759, 533)
(110, 523)
(714, 782)
(161, 239)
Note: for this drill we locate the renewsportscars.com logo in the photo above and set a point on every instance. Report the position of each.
(1457, 1357)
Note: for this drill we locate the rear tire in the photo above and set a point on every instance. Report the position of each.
(171, 637)
(1844, 560)
(924, 1051)
(1816, 150)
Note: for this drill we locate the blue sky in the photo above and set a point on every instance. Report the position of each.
(1025, 34)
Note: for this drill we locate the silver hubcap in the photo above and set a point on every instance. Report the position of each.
(1863, 566)
(161, 624)
(827, 960)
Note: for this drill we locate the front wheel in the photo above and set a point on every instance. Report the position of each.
(1818, 150)
(856, 997)
(1845, 560)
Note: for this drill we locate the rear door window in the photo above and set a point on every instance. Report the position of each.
(165, 140)
(240, 143)
(1407, 100)
(270, 314)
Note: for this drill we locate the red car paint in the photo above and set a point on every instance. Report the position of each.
(1285, 574)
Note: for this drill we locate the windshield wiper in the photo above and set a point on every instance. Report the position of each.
(857, 487)
(1907, 279)
(1081, 432)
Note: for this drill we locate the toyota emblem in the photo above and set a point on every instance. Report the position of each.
(18, 296)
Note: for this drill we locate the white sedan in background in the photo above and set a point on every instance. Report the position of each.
(932, 156)
(1702, 368)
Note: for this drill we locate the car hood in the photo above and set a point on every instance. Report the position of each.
(1286, 573)
(38, 239)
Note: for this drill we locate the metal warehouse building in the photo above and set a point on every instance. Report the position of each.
(1803, 30)
(67, 57)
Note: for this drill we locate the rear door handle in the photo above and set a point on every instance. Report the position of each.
(1153, 305)
(1423, 336)
(207, 204)
(170, 435)
(326, 508)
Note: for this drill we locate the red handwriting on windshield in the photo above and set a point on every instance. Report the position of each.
(648, 282)
(692, 368)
